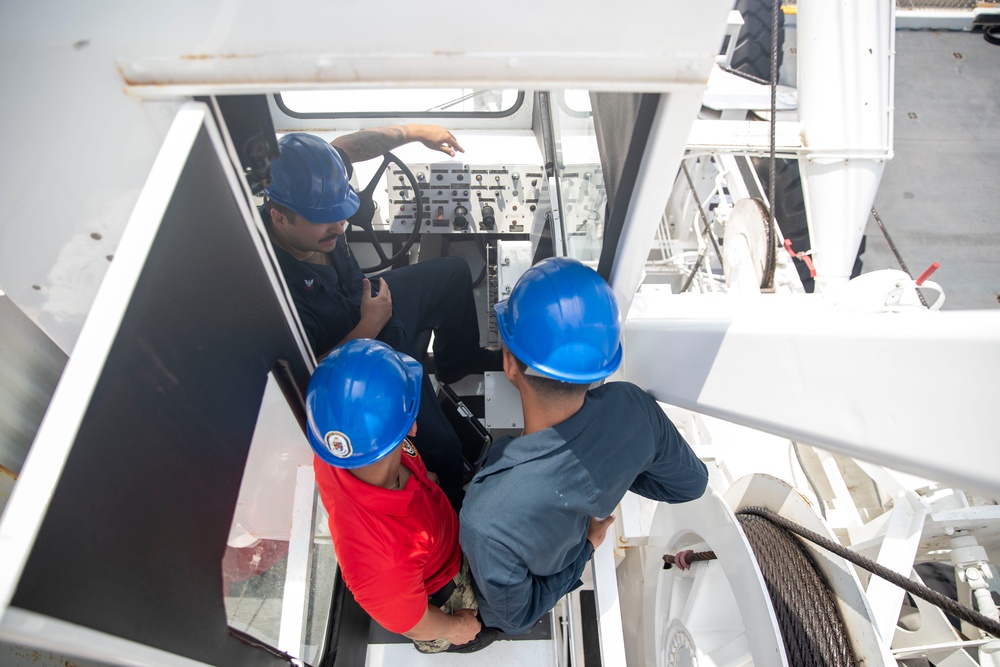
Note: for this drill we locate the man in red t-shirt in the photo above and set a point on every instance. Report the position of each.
(394, 531)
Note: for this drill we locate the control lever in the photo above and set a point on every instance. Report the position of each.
(489, 217)
(461, 221)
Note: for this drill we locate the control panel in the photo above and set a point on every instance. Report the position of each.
(467, 199)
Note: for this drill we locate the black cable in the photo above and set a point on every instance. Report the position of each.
(694, 270)
(895, 251)
(745, 75)
(707, 226)
(921, 591)
(812, 628)
(913, 588)
(769, 263)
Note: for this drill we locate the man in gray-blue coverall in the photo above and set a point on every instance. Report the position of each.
(542, 502)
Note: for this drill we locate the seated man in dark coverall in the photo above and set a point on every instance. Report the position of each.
(542, 503)
(306, 208)
(394, 531)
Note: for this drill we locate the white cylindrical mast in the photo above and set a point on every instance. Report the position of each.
(845, 92)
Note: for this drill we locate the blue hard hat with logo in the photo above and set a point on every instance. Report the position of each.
(310, 178)
(361, 402)
(562, 320)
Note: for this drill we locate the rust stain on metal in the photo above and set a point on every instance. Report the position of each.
(125, 77)
(8, 473)
(131, 80)
(804, 497)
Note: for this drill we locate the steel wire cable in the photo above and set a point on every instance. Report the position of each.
(707, 226)
(745, 75)
(707, 230)
(812, 629)
(790, 586)
(694, 557)
(771, 260)
(895, 251)
(919, 590)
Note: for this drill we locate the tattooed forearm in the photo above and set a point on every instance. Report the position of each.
(367, 144)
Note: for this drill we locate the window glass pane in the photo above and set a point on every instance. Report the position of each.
(267, 564)
(582, 195)
(577, 101)
(401, 101)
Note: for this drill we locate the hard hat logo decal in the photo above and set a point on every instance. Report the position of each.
(362, 401)
(408, 449)
(338, 444)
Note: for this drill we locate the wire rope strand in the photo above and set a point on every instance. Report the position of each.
(971, 616)
(693, 557)
(707, 226)
(812, 629)
(769, 264)
(895, 251)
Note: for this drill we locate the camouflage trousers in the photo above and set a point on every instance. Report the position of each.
(461, 598)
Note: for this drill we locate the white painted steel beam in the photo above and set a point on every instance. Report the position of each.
(609, 614)
(642, 45)
(912, 391)
(898, 550)
(663, 153)
(745, 137)
(936, 639)
(51, 634)
(44, 464)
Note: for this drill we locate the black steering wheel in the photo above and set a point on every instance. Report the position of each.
(363, 218)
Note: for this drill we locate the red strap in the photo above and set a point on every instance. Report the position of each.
(804, 256)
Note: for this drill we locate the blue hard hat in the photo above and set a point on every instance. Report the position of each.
(361, 403)
(562, 320)
(310, 178)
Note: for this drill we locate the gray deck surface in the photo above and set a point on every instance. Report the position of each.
(940, 194)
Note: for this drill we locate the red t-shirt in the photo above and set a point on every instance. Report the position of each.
(395, 548)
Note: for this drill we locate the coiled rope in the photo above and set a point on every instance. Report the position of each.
(811, 626)
(795, 592)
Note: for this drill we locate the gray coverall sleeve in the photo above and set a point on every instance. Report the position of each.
(676, 474)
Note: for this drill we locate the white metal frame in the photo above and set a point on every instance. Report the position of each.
(295, 603)
(44, 464)
(609, 615)
(785, 365)
(43, 467)
(45, 632)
